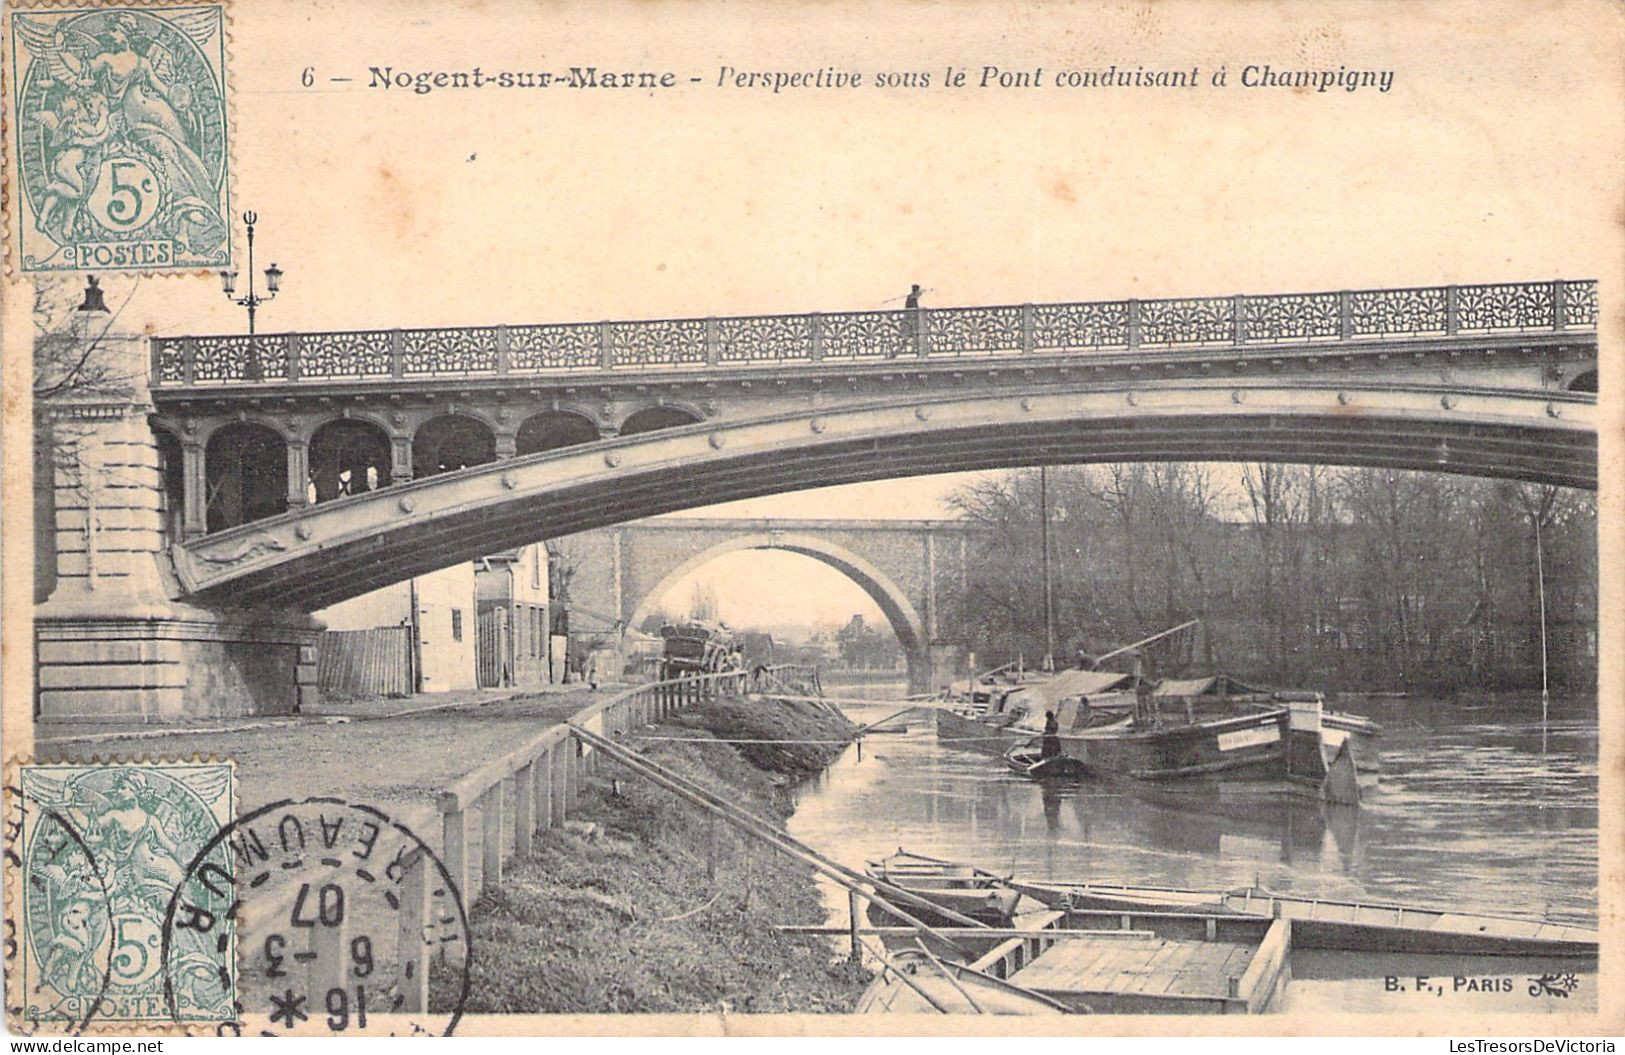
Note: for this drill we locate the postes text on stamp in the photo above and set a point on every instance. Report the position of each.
(120, 154)
(97, 851)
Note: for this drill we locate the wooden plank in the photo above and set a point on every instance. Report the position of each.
(1103, 975)
(1056, 965)
(1174, 966)
(1083, 960)
(1153, 977)
(1204, 973)
(1258, 980)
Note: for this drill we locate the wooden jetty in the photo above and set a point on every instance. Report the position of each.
(1320, 923)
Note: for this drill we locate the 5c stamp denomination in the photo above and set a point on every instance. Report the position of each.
(97, 851)
(120, 151)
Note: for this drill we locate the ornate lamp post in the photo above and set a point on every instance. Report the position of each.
(252, 300)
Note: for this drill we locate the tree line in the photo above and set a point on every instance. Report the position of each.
(1344, 577)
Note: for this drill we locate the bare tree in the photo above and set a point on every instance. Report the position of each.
(72, 348)
(702, 603)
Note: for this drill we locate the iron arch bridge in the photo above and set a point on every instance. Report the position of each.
(316, 467)
(330, 551)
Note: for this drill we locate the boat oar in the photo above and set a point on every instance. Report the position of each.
(949, 975)
(903, 976)
(753, 825)
(874, 725)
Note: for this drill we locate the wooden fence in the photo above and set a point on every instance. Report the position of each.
(376, 662)
(796, 675)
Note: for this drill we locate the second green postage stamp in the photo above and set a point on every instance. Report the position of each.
(99, 853)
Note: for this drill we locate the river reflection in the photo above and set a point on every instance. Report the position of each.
(1477, 808)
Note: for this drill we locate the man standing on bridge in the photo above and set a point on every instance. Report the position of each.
(911, 322)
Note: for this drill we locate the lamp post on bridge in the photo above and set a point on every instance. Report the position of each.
(251, 300)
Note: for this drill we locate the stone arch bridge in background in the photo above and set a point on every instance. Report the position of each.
(909, 568)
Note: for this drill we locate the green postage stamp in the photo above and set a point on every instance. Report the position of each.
(120, 149)
(102, 926)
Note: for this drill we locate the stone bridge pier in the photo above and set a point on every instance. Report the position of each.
(909, 568)
(113, 642)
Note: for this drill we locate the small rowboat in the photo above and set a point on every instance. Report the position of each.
(961, 888)
(1028, 760)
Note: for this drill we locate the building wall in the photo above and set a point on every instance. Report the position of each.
(446, 622)
(516, 583)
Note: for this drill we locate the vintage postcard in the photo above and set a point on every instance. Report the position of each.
(853, 518)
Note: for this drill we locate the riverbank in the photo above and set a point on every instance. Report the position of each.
(643, 904)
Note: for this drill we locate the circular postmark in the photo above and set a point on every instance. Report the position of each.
(343, 917)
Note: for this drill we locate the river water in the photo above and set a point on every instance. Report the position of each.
(1478, 808)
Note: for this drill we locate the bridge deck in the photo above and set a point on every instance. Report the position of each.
(1333, 320)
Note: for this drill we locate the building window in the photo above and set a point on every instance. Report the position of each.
(456, 624)
(536, 567)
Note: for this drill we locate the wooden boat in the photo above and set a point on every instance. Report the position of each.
(1156, 951)
(1244, 745)
(948, 987)
(1028, 760)
(969, 891)
(1282, 747)
(1331, 924)
(995, 717)
(1139, 963)
(1220, 693)
(993, 714)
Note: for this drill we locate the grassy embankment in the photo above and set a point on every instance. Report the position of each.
(627, 920)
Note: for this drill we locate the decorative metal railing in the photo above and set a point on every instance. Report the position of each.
(876, 336)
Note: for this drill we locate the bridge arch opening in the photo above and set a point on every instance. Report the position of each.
(348, 457)
(1584, 382)
(550, 430)
(450, 442)
(893, 602)
(246, 468)
(662, 417)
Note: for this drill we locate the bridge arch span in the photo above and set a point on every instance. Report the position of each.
(378, 421)
(892, 600)
(451, 442)
(549, 430)
(324, 554)
(348, 455)
(245, 465)
(207, 431)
